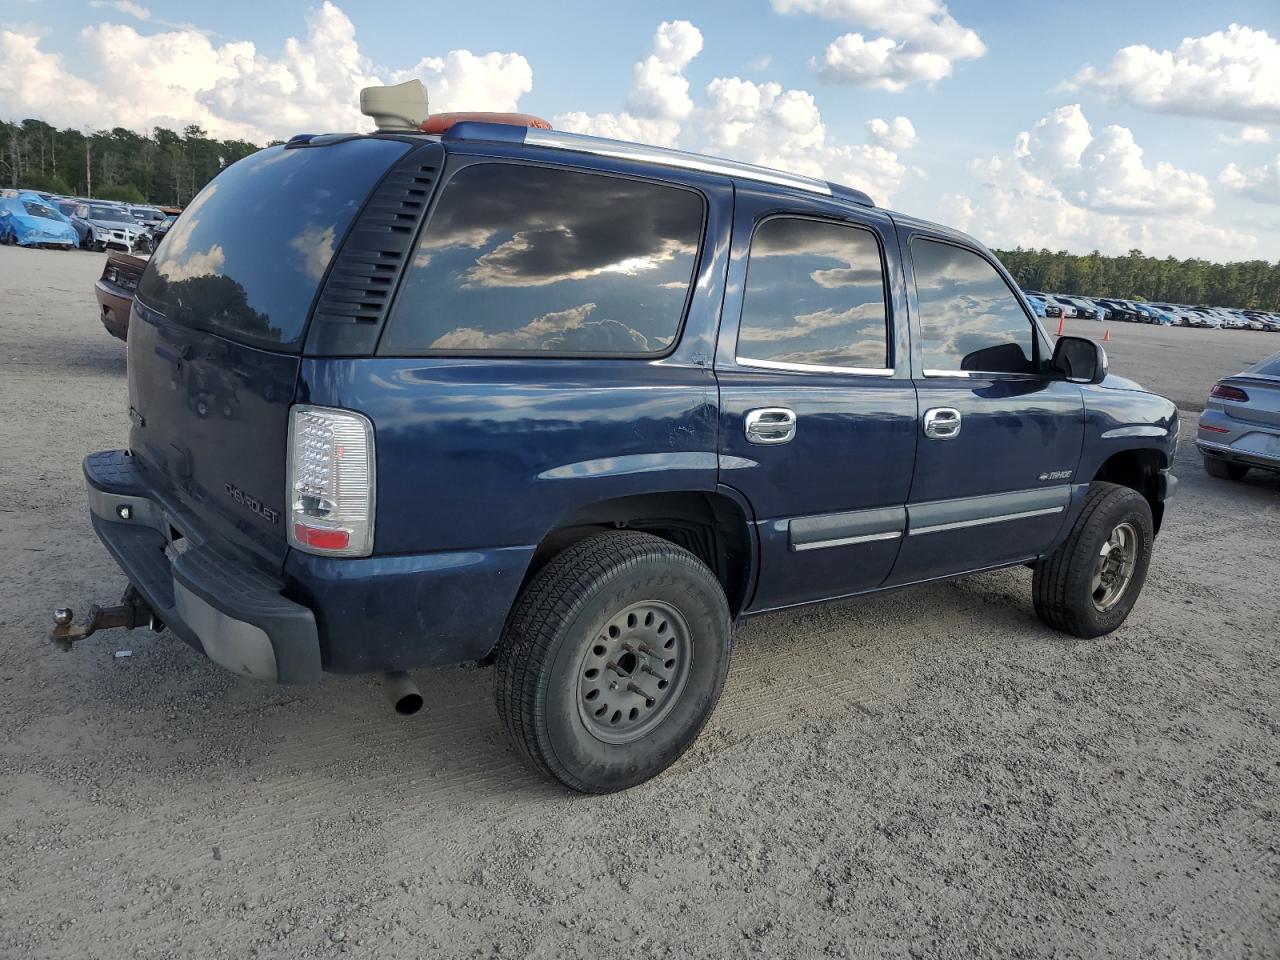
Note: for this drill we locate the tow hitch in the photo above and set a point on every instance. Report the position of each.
(131, 612)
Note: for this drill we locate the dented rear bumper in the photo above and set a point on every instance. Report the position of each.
(214, 600)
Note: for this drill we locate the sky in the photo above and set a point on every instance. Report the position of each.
(1079, 126)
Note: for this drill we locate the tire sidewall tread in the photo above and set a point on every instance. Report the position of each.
(1061, 582)
(565, 602)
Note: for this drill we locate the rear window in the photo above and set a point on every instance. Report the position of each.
(40, 210)
(520, 259)
(1269, 367)
(246, 257)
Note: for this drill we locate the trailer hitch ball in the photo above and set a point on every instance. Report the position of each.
(132, 611)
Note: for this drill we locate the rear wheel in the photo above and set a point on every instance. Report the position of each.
(1090, 583)
(612, 660)
(1224, 469)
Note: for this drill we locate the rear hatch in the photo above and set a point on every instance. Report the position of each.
(218, 324)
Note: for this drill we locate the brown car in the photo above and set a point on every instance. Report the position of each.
(114, 290)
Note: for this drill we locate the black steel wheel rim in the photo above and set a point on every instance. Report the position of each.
(632, 672)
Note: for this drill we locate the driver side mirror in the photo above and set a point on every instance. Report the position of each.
(1080, 360)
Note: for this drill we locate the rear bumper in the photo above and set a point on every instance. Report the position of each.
(1242, 457)
(113, 306)
(217, 602)
(1237, 439)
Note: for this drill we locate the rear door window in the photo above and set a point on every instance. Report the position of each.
(814, 296)
(522, 259)
(245, 258)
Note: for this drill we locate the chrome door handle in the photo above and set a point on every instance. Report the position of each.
(942, 423)
(770, 425)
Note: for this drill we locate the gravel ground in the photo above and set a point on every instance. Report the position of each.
(927, 773)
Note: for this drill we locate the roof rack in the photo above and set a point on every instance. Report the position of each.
(665, 156)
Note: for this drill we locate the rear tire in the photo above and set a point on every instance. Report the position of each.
(1090, 583)
(1224, 469)
(612, 660)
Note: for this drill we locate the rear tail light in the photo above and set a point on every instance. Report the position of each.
(331, 482)
(1224, 392)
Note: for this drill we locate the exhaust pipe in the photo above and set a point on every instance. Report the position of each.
(405, 696)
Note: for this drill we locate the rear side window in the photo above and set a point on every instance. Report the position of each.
(814, 296)
(969, 318)
(245, 259)
(520, 259)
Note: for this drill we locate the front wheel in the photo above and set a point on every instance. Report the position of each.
(1090, 583)
(612, 660)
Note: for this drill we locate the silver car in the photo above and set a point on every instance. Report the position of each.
(1240, 426)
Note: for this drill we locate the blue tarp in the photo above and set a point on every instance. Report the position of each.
(30, 221)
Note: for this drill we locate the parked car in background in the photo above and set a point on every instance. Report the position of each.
(1119, 310)
(29, 221)
(147, 216)
(1076, 307)
(1181, 315)
(114, 290)
(1042, 305)
(1240, 426)
(1156, 315)
(103, 226)
(151, 236)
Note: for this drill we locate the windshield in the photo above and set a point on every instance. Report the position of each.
(246, 258)
(110, 213)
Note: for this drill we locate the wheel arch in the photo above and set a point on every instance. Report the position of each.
(1138, 469)
(715, 526)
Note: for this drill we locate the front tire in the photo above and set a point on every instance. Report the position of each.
(1090, 583)
(1224, 469)
(612, 660)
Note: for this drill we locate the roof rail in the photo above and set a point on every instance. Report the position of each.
(664, 156)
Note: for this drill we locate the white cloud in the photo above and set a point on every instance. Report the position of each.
(765, 124)
(760, 123)
(1062, 186)
(1106, 172)
(659, 96)
(760, 63)
(920, 41)
(1257, 183)
(462, 80)
(1246, 136)
(124, 6)
(120, 77)
(1233, 74)
(897, 134)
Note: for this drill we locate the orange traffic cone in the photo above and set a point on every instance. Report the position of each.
(1061, 321)
(1106, 336)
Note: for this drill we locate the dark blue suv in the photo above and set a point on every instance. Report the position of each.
(575, 405)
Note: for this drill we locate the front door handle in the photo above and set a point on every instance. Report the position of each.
(770, 425)
(942, 423)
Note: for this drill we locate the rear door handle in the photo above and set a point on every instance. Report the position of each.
(770, 425)
(942, 423)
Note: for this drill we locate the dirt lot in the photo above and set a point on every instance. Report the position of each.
(929, 773)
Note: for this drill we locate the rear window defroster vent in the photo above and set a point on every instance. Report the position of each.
(352, 306)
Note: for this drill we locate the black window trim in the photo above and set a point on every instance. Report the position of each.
(454, 165)
(756, 364)
(1038, 341)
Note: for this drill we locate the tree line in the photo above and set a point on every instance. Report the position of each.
(164, 167)
(1249, 284)
(169, 168)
